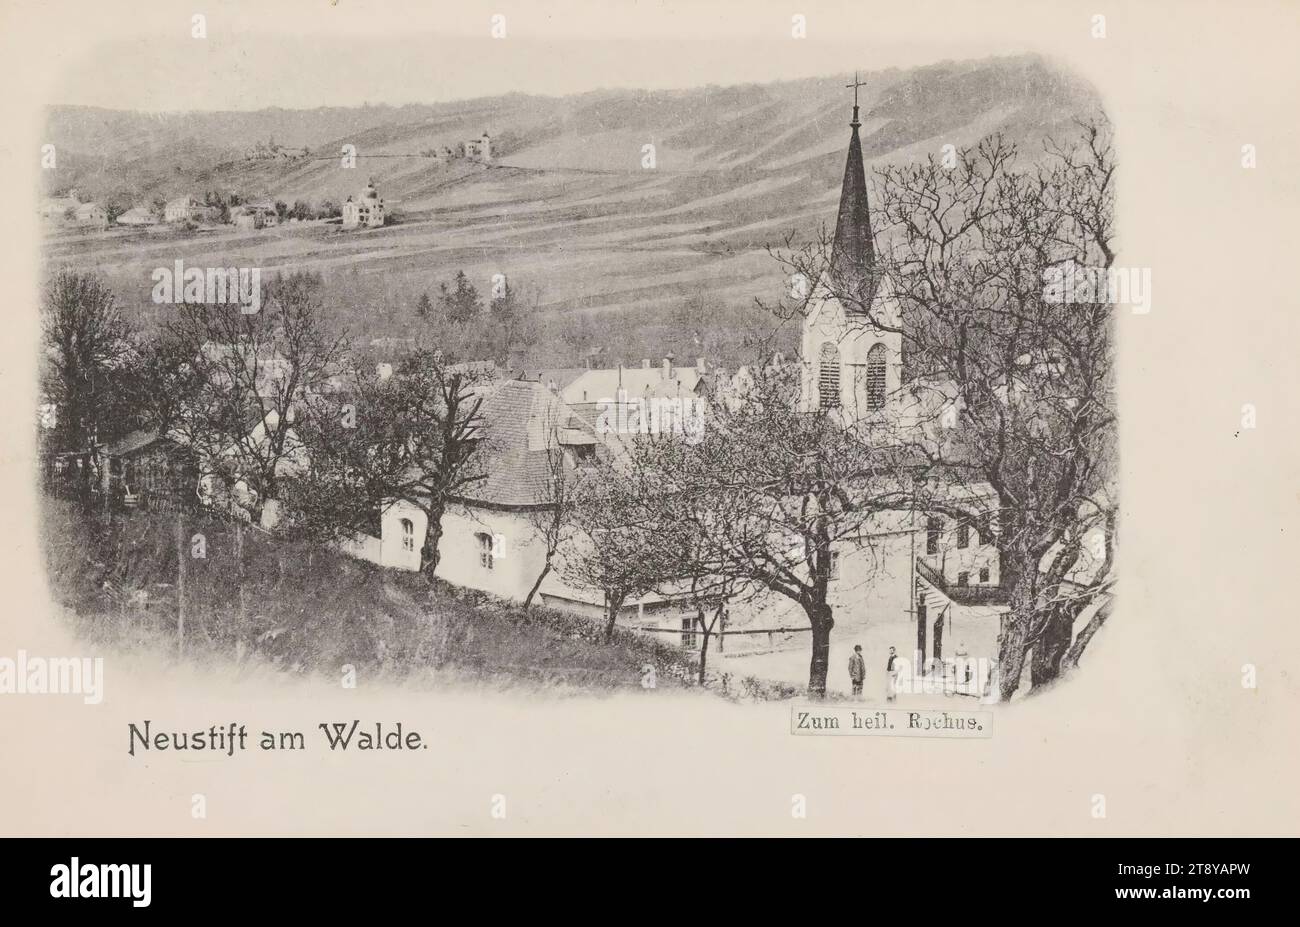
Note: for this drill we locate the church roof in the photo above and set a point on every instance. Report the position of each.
(853, 256)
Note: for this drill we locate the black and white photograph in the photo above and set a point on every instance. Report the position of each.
(650, 419)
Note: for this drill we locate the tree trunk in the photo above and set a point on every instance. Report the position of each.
(1011, 654)
(1013, 640)
(613, 602)
(429, 555)
(821, 621)
(1094, 624)
(528, 602)
(705, 630)
(84, 494)
(181, 554)
(1051, 645)
(921, 617)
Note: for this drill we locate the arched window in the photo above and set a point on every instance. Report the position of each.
(408, 534)
(828, 376)
(876, 378)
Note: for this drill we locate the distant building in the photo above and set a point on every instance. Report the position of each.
(254, 216)
(366, 211)
(187, 209)
(594, 389)
(479, 148)
(57, 207)
(270, 151)
(92, 215)
(137, 216)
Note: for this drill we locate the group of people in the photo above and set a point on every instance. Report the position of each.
(858, 672)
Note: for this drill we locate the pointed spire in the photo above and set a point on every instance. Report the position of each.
(853, 255)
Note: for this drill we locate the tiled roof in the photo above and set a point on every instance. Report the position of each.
(521, 420)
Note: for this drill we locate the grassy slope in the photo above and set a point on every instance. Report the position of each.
(308, 609)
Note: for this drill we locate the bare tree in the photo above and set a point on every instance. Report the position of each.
(769, 495)
(252, 374)
(611, 518)
(552, 518)
(409, 436)
(85, 368)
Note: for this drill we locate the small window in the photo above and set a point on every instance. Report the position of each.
(963, 535)
(835, 564)
(688, 632)
(583, 454)
(484, 550)
(984, 574)
(932, 528)
(408, 534)
(963, 579)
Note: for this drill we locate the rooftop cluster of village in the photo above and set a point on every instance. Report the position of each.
(75, 209)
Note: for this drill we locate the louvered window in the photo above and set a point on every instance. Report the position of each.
(828, 376)
(876, 378)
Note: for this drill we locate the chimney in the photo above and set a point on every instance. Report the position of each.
(645, 363)
(699, 365)
(668, 368)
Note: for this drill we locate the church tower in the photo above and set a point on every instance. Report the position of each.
(848, 363)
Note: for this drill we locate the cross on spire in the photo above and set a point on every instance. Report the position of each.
(855, 85)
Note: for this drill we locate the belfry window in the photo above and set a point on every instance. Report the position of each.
(828, 377)
(876, 378)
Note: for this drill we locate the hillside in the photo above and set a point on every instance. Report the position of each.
(566, 208)
(301, 608)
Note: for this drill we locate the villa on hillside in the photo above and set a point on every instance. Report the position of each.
(366, 211)
(187, 209)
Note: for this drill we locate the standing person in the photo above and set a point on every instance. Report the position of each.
(891, 676)
(857, 669)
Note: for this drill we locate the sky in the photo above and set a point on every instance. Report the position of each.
(298, 54)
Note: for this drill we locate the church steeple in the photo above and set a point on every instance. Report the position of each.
(853, 255)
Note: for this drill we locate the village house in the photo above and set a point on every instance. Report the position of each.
(91, 216)
(59, 207)
(593, 391)
(490, 539)
(254, 216)
(366, 211)
(479, 149)
(188, 209)
(137, 216)
(149, 469)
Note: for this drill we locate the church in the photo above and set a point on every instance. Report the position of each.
(917, 582)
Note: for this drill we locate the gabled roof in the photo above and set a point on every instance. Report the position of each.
(522, 422)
